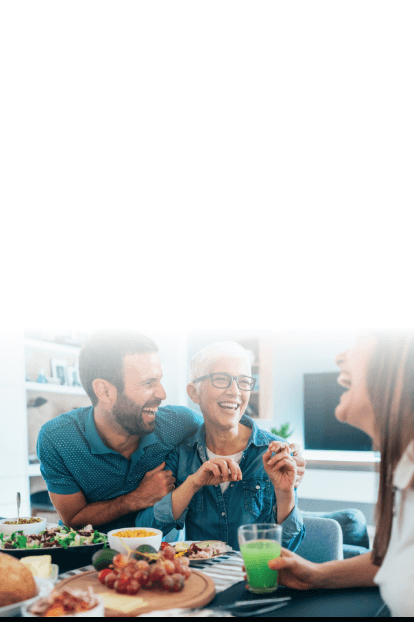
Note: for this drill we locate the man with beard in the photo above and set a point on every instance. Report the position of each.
(105, 463)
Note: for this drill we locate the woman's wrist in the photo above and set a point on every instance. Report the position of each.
(285, 504)
(191, 484)
(285, 495)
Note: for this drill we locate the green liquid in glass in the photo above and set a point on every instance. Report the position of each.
(256, 554)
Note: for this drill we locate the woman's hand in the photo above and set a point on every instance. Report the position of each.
(280, 467)
(300, 462)
(217, 471)
(294, 571)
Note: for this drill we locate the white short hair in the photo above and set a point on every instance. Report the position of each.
(204, 360)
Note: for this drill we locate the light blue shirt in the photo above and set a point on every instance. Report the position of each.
(213, 515)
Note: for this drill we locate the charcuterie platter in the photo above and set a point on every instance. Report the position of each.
(199, 590)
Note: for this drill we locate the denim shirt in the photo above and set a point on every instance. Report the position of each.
(212, 515)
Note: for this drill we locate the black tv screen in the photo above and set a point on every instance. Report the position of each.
(322, 429)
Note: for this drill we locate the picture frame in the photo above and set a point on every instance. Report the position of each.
(73, 376)
(59, 370)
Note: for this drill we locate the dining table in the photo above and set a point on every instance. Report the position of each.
(233, 598)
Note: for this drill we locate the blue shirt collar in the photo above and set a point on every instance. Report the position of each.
(258, 437)
(98, 446)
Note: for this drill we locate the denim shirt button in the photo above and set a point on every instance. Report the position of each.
(231, 485)
(215, 485)
(223, 513)
(257, 487)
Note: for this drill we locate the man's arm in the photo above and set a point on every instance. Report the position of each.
(76, 512)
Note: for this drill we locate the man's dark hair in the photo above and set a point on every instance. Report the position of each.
(103, 357)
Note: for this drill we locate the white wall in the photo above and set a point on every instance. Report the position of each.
(296, 354)
(13, 425)
(173, 351)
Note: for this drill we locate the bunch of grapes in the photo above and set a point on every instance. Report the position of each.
(127, 576)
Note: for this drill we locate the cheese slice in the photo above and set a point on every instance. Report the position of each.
(122, 603)
(39, 565)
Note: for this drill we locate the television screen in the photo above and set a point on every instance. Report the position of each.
(322, 429)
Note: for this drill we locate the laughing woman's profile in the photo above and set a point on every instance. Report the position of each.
(378, 373)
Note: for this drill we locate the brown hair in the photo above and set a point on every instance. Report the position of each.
(390, 383)
(103, 357)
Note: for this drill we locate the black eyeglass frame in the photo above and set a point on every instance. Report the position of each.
(231, 378)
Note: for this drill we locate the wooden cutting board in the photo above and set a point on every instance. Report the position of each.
(198, 591)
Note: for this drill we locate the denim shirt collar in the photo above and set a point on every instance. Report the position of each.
(258, 437)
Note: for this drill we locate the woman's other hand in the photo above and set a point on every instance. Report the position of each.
(300, 463)
(294, 571)
(280, 466)
(217, 471)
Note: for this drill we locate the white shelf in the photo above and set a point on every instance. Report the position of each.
(34, 470)
(50, 346)
(54, 388)
(344, 457)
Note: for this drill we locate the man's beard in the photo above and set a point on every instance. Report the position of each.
(129, 416)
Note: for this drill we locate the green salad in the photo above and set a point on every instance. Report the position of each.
(55, 537)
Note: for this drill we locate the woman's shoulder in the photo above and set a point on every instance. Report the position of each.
(260, 435)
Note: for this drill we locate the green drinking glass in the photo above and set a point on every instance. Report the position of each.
(258, 545)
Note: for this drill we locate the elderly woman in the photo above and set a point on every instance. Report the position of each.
(229, 473)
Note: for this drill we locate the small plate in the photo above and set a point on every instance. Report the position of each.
(196, 561)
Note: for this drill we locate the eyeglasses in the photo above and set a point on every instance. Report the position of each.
(223, 381)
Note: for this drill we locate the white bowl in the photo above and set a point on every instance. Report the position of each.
(44, 587)
(28, 530)
(117, 543)
(96, 612)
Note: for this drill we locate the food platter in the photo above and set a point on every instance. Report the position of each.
(205, 544)
(67, 559)
(199, 590)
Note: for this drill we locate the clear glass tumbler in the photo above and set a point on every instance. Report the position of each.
(258, 545)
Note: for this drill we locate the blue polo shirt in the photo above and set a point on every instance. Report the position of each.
(74, 458)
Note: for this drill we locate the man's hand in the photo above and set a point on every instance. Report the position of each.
(217, 471)
(280, 466)
(300, 463)
(294, 571)
(154, 486)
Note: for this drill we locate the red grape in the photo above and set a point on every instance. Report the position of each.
(186, 572)
(103, 573)
(168, 583)
(120, 561)
(157, 571)
(110, 580)
(168, 552)
(120, 587)
(133, 587)
(142, 565)
(178, 565)
(178, 582)
(169, 566)
(140, 576)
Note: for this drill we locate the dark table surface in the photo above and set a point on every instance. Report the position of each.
(352, 602)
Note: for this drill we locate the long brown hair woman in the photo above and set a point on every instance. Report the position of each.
(379, 375)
